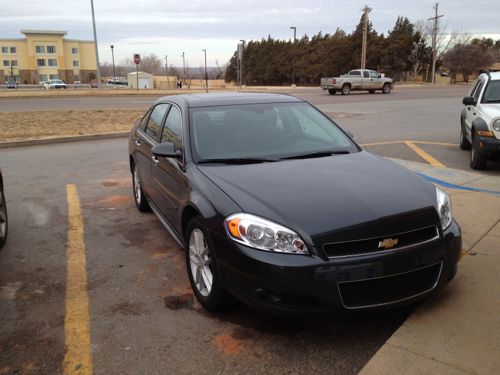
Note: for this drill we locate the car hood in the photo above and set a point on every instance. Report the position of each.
(492, 110)
(341, 197)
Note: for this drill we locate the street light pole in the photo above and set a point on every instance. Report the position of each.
(241, 62)
(293, 49)
(183, 68)
(95, 45)
(113, 59)
(166, 70)
(206, 73)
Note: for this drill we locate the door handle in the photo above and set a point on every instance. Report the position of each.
(155, 160)
(137, 142)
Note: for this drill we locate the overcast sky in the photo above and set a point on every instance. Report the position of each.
(171, 27)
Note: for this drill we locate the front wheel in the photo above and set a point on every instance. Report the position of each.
(464, 142)
(386, 89)
(140, 200)
(477, 158)
(3, 220)
(332, 91)
(202, 267)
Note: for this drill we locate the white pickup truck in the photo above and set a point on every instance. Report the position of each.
(357, 80)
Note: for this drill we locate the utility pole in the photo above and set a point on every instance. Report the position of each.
(434, 40)
(113, 59)
(206, 73)
(241, 61)
(166, 70)
(95, 45)
(364, 47)
(183, 69)
(293, 49)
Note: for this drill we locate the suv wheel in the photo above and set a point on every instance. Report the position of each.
(140, 200)
(3, 220)
(202, 267)
(386, 89)
(346, 90)
(464, 142)
(477, 158)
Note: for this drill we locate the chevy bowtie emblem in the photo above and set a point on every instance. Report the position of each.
(388, 243)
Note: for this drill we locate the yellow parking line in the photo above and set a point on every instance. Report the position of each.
(381, 143)
(436, 143)
(77, 359)
(424, 155)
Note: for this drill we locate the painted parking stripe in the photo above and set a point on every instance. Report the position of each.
(77, 358)
(457, 187)
(424, 155)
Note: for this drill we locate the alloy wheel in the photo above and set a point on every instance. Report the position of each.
(199, 258)
(137, 186)
(3, 217)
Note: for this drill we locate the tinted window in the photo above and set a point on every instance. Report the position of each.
(492, 92)
(172, 129)
(144, 120)
(263, 130)
(373, 74)
(355, 73)
(366, 74)
(478, 90)
(154, 123)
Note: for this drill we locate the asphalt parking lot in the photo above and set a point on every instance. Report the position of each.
(143, 317)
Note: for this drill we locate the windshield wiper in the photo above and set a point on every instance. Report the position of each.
(236, 160)
(318, 154)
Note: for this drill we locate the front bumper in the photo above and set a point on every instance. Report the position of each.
(489, 145)
(297, 285)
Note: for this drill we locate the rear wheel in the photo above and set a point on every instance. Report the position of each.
(477, 158)
(386, 89)
(332, 91)
(140, 200)
(3, 220)
(202, 267)
(464, 142)
(346, 90)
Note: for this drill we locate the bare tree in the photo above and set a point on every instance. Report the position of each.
(467, 58)
(149, 63)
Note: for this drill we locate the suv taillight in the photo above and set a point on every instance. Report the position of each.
(334, 81)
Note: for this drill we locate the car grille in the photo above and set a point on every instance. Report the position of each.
(371, 245)
(389, 289)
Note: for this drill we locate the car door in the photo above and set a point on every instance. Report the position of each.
(145, 139)
(168, 173)
(375, 81)
(355, 79)
(365, 80)
(471, 110)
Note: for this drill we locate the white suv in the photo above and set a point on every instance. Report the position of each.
(480, 120)
(54, 84)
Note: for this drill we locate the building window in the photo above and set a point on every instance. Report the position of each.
(42, 78)
(52, 62)
(76, 63)
(54, 76)
(74, 51)
(5, 49)
(40, 62)
(13, 62)
(6, 63)
(51, 49)
(12, 49)
(40, 49)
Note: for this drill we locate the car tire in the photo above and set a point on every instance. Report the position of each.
(332, 91)
(477, 159)
(201, 267)
(464, 142)
(371, 91)
(4, 222)
(386, 89)
(139, 198)
(346, 90)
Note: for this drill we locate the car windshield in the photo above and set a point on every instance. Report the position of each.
(492, 92)
(264, 132)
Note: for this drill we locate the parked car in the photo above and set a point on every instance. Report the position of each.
(480, 120)
(12, 84)
(55, 84)
(94, 84)
(117, 81)
(276, 205)
(4, 225)
(357, 80)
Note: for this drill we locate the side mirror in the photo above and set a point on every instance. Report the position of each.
(166, 150)
(468, 100)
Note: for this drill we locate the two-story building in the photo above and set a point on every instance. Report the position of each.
(44, 54)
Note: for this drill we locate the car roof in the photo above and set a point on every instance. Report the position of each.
(228, 98)
(495, 75)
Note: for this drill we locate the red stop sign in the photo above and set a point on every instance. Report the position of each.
(137, 59)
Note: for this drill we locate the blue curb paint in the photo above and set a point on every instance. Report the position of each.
(458, 187)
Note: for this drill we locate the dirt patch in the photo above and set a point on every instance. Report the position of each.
(184, 301)
(127, 308)
(228, 345)
(32, 125)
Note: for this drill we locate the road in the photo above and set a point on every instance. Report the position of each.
(143, 317)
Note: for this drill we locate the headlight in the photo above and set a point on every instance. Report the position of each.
(496, 125)
(444, 208)
(263, 234)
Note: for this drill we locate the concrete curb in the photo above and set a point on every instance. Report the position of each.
(64, 139)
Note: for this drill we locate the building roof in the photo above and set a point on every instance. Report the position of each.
(50, 32)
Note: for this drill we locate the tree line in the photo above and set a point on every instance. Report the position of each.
(403, 54)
